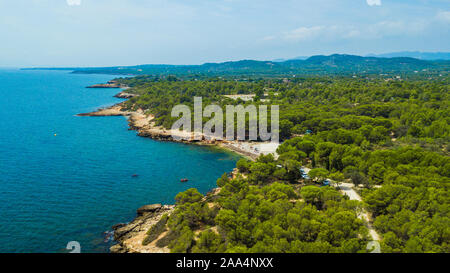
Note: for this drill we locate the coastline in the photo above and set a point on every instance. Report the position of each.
(145, 127)
(129, 236)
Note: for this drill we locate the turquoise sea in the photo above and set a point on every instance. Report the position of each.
(74, 186)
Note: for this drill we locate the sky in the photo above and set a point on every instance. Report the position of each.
(72, 33)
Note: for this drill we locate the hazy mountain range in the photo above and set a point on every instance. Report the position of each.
(431, 56)
(415, 54)
(320, 64)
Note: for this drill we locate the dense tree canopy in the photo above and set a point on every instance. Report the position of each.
(389, 138)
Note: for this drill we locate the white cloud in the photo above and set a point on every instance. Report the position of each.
(344, 32)
(225, 8)
(374, 2)
(443, 16)
(396, 29)
(269, 38)
(352, 33)
(332, 32)
(304, 33)
(73, 2)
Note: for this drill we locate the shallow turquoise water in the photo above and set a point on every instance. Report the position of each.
(74, 186)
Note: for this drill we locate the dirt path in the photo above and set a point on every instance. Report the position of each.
(347, 189)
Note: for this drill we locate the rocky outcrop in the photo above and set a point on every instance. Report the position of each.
(115, 110)
(145, 127)
(110, 84)
(125, 95)
(129, 236)
(154, 134)
(148, 209)
(104, 85)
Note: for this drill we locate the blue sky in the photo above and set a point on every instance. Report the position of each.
(119, 32)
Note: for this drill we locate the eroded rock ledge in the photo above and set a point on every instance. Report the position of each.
(115, 110)
(125, 95)
(129, 236)
(110, 84)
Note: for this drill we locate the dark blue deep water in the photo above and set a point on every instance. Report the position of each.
(74, 186)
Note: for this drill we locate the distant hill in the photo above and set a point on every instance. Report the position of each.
(416, 54)
(334, 64)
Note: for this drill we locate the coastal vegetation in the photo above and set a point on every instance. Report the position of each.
(156, 230)
(275, 217)
(365, 112)
(387, 137)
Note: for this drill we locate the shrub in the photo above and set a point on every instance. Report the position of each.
(156, 230)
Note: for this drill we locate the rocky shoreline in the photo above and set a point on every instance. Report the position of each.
(115, 110)
(129, 236)
(144, 125)
(125, 95)
(110, 84)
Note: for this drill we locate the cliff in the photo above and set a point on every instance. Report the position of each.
(129, 236)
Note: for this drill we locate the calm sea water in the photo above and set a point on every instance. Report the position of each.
(74, 186)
